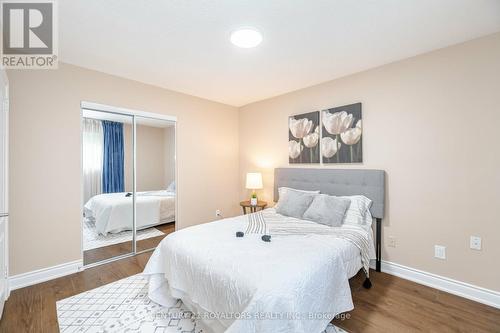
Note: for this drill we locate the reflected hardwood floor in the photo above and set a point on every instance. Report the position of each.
(110, 251)
(391, 305)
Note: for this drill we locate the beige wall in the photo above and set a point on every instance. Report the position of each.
(432, 123)
(45, 157)
(151, 158)
(169, 163)
(155, 158)
(429, 121)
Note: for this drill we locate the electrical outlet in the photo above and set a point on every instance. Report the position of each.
(218, 213)
(439, 251)
(475, 243)
(392, 241)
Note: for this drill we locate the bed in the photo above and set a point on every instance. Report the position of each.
(295, 283)
(113, 212)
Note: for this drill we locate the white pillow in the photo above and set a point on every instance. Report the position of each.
(367, 223)
(282, 190)
(171, 187)
(358, 212)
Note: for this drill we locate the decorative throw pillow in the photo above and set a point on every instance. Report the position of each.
(356, 213)
(327, 209)
(294, 203)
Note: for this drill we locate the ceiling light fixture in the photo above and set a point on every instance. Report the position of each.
(246, 38)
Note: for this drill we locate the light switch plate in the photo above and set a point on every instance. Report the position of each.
(475, 243)
(440, 251)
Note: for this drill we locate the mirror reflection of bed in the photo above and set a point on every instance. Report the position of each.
(108, 184)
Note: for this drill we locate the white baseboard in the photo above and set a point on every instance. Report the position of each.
(44, 274)
(462, 289)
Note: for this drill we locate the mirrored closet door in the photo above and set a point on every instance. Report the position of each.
(107, 167)
(155, 170)
(129, 185)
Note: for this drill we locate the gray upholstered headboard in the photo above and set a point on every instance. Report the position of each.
(370, 183)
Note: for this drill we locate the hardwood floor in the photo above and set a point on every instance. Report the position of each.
(391, 305)
(32, 309)
(151, 243)
(106, 252)
(397, 305)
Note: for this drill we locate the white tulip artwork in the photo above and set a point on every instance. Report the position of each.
(329, 146)
(303, 138)
(294, 149)
(342, 134)
(311, 139)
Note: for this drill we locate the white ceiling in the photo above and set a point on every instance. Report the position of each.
(183, 45)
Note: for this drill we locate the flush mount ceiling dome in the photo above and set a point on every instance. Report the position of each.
(246, 37)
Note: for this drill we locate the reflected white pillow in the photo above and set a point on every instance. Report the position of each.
(356, 214)
(171, 187)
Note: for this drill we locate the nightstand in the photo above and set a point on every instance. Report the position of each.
(246, 204)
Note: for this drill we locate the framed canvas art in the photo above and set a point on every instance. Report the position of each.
(303, 138)
(341, 139)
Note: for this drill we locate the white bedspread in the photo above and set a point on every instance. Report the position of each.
(212, 271)
(113, 212)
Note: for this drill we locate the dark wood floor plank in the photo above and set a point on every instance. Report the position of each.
(48, 296)
(397, 305)
(391, 305)
(26, 313)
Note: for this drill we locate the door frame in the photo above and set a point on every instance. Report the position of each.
(134, 113)
(5, 108)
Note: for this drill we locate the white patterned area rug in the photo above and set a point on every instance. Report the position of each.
(93, 240)
(124, 306)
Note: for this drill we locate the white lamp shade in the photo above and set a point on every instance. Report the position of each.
(254, 181)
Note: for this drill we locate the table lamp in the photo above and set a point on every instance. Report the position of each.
(254, 182)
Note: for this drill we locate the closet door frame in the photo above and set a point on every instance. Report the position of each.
(84, 105)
